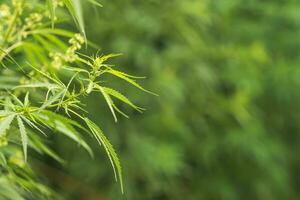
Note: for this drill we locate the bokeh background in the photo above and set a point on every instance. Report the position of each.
(227, 120)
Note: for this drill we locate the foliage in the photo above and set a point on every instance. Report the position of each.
(226, 123)
(44, 79)
(224, 127)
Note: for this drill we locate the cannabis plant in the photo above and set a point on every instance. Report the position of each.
(44, 78)
(228, 74)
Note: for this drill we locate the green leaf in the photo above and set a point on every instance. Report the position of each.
(5, 124)
(4, 113)
(120, 111)
(125, 74)
(3, 160)
(127, 79)
(53, 77)
(108, 101)
(37, 52)
(74, 7)
(38, 85)
(101, 59)
(32, 125)
(26, 99)
(24, 138)
(95, 3)
(55, 31)
(121, 97)
(8, 191)
(56, 41)
(47, 45)
(51, 7)
(62, 125)
(102, 140)
(17, 100)
(52, 100)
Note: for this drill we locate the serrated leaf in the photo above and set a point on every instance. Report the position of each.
(101, 59)
(5, 124)
(74, 123)
(108, 101)
(102, 140)
(23, 134)
(53, 99)
(74, 7)
(127, 79)
(63, 125)
(32, 125)
(121, 97)
(126, 74)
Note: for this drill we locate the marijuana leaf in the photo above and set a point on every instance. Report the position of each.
(24, 137)
(102, 140)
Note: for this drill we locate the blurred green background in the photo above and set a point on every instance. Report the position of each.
(227, 120)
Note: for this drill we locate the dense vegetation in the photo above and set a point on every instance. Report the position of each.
(44, 79)
(225, 124)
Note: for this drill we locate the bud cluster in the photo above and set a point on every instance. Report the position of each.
(70, 54)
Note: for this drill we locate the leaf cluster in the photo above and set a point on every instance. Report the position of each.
(44, 78)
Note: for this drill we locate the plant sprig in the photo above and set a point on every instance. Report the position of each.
(52, 75)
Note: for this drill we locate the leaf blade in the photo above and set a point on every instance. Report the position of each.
(24, 137)
(5, 124)
(101, 138)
